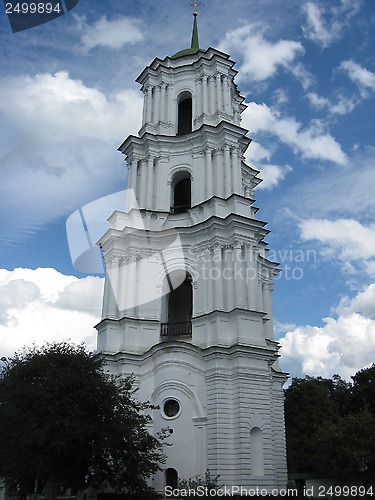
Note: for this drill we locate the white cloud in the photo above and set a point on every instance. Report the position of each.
(311, 143)
(62, 150)
(326, 24)
(364, 78)
(112, 34)
(348, 195)
(348, 238)
(272, 175)
(55, 108)
(342, 106)
(364, 303)
(261, 59)
(343, 346)
(256, 152)
(43, 305)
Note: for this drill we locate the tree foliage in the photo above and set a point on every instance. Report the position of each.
(63, 418)
(309, 402)
(330, 426)
(346, 448)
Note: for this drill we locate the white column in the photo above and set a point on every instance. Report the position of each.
(150, 184)
(149, 104)
(209, 173)
(132, 181)
(219, 92)
(268, 308)
(107, 296)
(239, 285)
(209, 281)
(218, 278)
(171, 111)
(212, 88)
(157, 104)
(135, 180)
(226, 91)
(219, 172)
(228, 172)
(204, 271)
(143, 185)
(200, 177)
(166, 102)
(130, 286)
(205, 94)
(163, 90)
(130, 175)
(145, 97)
(227, 283)
(120, 294)
(113, 273)
(236, 172)
(198, 98)
(252, 278)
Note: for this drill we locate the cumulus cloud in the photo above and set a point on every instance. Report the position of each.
(261, 59)
(43, 305)
(347, 238)
(111, 34)
(256, 152)
(364, 78)
(342, 103)
(62, 150)
(342, 106)
(311, 142)
(343, 345)
(56, 108)
(272, 175)
(325, 23)
(364, 303)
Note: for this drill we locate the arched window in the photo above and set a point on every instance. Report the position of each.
(181, 192)
(171, 477)
(256, 450)
(185, 114)
(179, 303)
(182, 196)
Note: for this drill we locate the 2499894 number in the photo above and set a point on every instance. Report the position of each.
(345, 491)
(32, 8)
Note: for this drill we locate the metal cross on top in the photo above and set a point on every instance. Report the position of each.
(195, 4)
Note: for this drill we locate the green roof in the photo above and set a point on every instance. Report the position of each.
(194, 42)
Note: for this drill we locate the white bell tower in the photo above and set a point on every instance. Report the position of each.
(187, 301)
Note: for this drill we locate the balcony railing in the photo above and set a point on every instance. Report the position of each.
(172, 329)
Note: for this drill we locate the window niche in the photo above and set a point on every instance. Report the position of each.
(181, 193)
(256, 448)
(185, 114)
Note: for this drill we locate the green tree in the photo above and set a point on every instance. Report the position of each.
(347, 448)
(64, 419)
(309, 403)
(364, 389)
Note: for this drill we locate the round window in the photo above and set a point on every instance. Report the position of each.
(171, 408)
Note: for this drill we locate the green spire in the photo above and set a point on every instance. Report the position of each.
(194, 36)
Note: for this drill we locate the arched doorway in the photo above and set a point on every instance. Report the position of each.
(171, 477)
(179, 307)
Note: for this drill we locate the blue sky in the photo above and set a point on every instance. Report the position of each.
(307, 70)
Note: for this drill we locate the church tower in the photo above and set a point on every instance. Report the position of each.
(187, 300)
